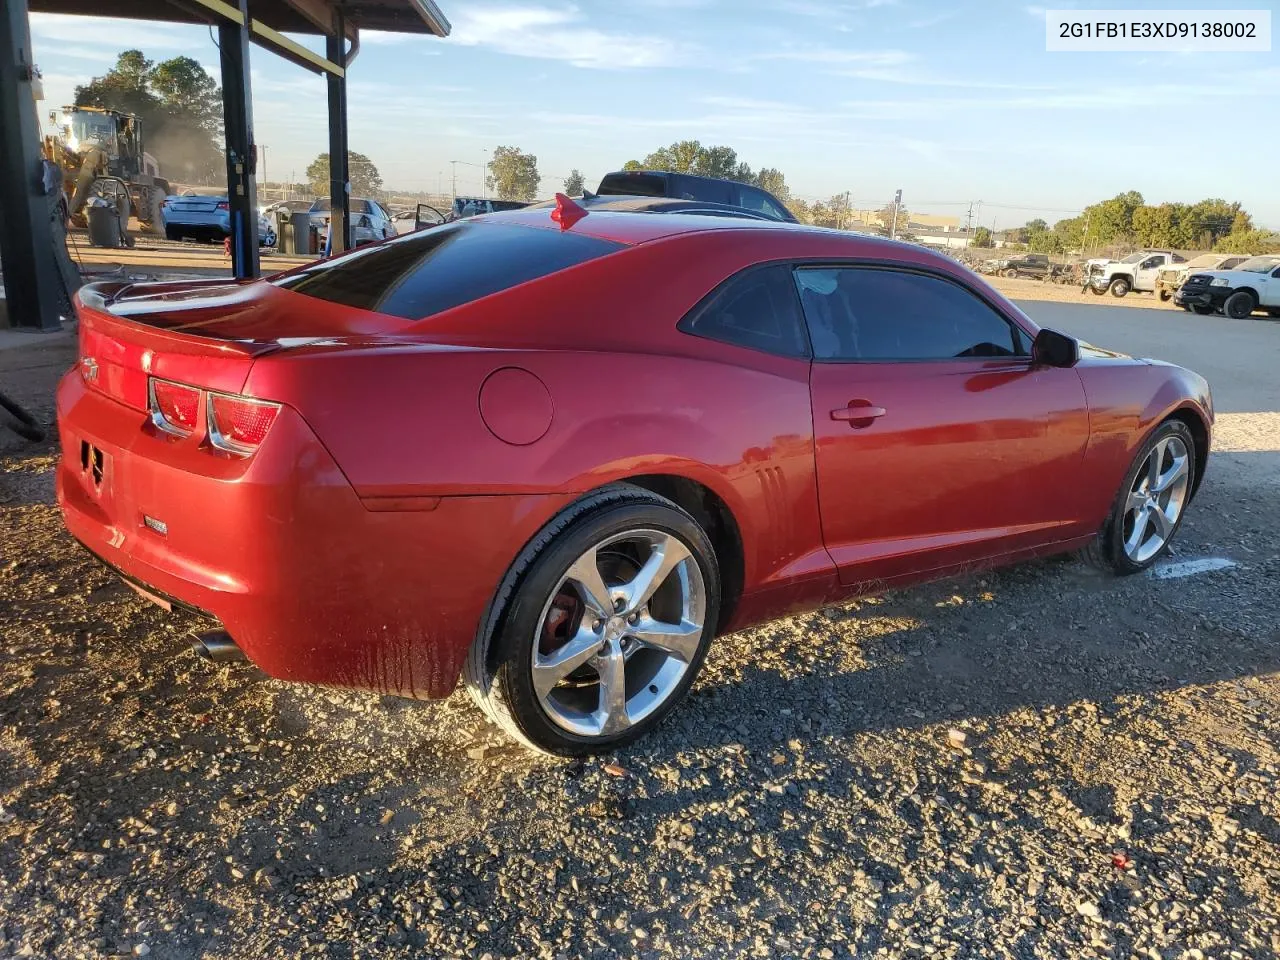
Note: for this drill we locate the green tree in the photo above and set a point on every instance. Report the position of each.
(719, 162)
(1210, 220)
(574, 183)
(887, 219)
(186, 90)
(1250, 241)
(690, 156)
(513, 174)
(982, 238)
(366, 181)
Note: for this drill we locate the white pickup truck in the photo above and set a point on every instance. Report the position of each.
(1137, 271)
(1252, 285)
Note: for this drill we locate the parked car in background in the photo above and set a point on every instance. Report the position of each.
(290, 206)
(370, 221)
(1137, 271)
(464, 207)
(207, 218)
(686, 186)
(1171, 277)
(423, 215)
(1251, 285)
(556, 452)
(1037, 265)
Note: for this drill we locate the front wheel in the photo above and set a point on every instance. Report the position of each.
(1097, 291)
(1149, 506)
(1119, 287)
(1165, 294)
(1240, 305)
(600, 627)
(1203, 311)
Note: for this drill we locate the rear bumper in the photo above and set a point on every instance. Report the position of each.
(312, 583)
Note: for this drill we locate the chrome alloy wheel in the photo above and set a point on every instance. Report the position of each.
(619, 632)
(1156, 499)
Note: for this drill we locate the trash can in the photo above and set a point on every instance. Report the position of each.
(302, 234)
(104, 225)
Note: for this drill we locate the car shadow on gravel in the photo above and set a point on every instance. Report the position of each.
(1044, 634)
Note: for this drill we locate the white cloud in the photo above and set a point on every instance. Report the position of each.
(876, 58)
(422, 44)
(561, 34)
(112, 34)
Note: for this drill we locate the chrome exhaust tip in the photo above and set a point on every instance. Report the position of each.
(217, 647)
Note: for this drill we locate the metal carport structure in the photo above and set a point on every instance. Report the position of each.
(26, 237)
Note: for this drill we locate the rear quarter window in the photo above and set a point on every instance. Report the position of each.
(430, 271)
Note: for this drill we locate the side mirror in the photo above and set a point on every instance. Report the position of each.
(1055, 349)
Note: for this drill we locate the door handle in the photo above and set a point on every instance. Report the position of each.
(856, 412)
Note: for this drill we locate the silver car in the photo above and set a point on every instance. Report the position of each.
(370, 221)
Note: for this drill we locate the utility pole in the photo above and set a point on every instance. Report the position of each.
(263, 148)
(453, 164)
(897, 204)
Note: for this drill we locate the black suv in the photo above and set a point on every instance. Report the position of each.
(685, 186)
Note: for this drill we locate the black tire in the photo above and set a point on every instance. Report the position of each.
(498, 670)
(1009, 272)
(1106, 552)
(1097, 291)
(1240, 305)
(1119, 287)
(1203, 311)
(1165, 294)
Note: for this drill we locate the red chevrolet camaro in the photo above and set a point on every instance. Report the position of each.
(556, 453)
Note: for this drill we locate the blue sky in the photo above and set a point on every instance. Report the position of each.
(950, 101)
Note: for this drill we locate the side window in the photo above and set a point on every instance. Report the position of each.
(697, 188)
(1151, 263)
(760, 202)
(1276, 273)
(1178, 259)
(755, 309)
(876, 314)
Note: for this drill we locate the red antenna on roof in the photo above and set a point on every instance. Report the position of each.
(567, 211)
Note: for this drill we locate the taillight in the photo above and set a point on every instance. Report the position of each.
(238, 424)
(223, 205)
(174, 406)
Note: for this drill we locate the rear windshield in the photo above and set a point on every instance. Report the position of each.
(633, 185)
(424, 273)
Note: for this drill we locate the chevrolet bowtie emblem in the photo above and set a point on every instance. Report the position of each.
(89, 368)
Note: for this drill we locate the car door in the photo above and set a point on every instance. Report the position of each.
(938, 440)
(1269, 289)
(1144, 275)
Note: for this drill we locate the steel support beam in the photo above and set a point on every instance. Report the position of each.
(33, 286)
(237, 119)
(339, 172)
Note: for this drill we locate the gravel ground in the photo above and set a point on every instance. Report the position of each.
(1038, 762)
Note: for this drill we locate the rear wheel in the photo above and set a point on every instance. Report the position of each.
(1240, 304)
(1165, 294)
(601, 625)
(1149, 506)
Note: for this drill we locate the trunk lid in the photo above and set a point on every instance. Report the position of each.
(195, 204)
(205, 333)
